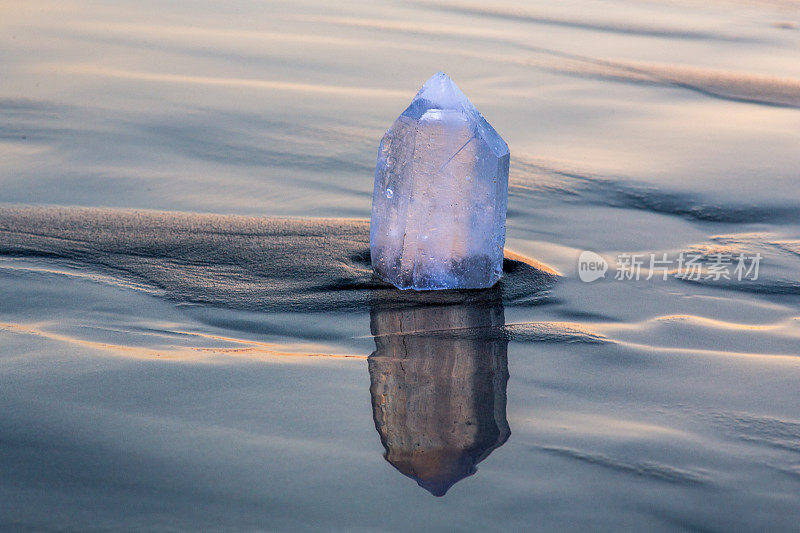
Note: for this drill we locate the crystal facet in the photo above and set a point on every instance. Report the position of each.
(440, 197)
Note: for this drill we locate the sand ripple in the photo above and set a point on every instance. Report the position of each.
(264, 264)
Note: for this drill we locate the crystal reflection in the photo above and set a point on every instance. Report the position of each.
(438, 384)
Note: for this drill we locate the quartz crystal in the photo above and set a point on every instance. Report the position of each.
(440, 196)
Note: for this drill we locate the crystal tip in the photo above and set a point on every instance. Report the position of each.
(443, 93)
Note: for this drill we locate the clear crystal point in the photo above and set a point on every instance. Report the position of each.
(440, 196)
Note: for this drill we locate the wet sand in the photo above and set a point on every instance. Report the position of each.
(191, 336)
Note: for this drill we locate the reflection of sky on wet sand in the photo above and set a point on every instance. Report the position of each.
(184, 371)
(227, 110)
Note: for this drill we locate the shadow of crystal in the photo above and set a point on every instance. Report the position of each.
(438, 385)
